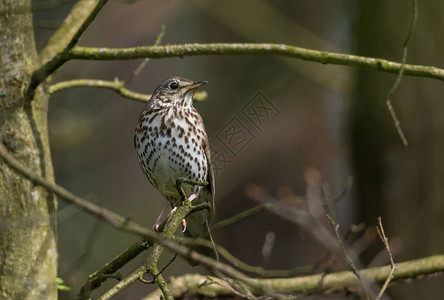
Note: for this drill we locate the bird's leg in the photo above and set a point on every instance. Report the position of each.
(182, 180)
(160, 218)
(183, 196)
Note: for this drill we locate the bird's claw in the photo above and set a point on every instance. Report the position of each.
(184, 225)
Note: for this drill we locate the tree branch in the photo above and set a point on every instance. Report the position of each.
(122, 223)
(150, 265)
(116, 85)
(97, 278)
(56, 52)
(323, 57)
(196, 285)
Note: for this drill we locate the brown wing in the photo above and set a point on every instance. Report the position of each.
(196, 222)
(210, 178)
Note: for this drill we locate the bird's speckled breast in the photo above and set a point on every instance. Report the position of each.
(170, 144)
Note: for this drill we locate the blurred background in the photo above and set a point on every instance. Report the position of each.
(327, 123)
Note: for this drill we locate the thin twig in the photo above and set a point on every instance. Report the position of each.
(384, 239)
(348, 258)
(146, 60)
(398, 78)
(168, 264)
(238, 217)
(244, 266)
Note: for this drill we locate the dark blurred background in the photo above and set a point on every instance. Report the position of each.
(332, 119)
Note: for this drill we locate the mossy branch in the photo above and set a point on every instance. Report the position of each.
(150, 265)
(97, 278)
(55, 53)
(323, 57)
(197, 286)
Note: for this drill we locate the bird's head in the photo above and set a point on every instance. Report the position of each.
(175, 91)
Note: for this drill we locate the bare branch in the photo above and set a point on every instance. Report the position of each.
(146, 60)
(350, 262)
(116, 85)
(253, 49)
(55, 55)
(97, 278)
(238, 217)
(199, 285)
(230, 49)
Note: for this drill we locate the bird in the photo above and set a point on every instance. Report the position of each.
(172, 143)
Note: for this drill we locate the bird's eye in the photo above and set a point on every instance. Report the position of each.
(174, 85)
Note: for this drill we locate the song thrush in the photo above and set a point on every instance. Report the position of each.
(171, 143)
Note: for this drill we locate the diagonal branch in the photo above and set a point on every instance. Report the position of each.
(306, 284)
(97, 278)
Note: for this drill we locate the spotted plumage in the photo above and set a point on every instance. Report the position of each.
(171, 142)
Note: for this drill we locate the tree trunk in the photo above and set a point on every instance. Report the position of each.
(28, 255)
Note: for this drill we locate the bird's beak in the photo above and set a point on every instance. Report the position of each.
(194, 85)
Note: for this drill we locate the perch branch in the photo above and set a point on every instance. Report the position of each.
(120, 222)
(150, 265)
